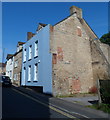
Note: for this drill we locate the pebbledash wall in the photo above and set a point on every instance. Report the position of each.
(43, 61)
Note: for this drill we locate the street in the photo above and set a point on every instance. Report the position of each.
(16, 104)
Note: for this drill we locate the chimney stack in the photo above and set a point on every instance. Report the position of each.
(29, 35)
(75, 11)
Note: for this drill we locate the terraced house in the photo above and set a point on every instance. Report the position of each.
(17, 66)
(2, 68)
(9, 65)
(13, 65)
(65, 58)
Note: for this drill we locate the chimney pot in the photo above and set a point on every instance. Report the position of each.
(29, 35)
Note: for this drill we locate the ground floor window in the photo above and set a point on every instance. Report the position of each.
(10, 74)
(36, 72)
(24, 73)
(29, 73)
(14, 76)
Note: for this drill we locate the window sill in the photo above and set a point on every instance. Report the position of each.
(35, 56)
(29, 59)
(29, 81)
(35, 80)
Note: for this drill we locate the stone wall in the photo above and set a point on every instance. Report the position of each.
(99, 62)
(2, 70)
(78, 60)
(100, 54)
(17, 69)
(72, 71)
(106, 50)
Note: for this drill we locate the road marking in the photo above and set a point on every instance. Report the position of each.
(68, 111)
(51, 107)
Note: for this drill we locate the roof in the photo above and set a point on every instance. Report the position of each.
(17, 52)
(40, 26)
(9, 56)
(87, 27)
(2, 64)
(62, 20)
(20, 43)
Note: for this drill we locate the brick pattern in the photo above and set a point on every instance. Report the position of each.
(79, 32)
(54, 59)
(60, 53)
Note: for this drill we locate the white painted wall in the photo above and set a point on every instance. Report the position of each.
(44, 61)
(9, 67)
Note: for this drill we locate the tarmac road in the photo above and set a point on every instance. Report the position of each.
(26, 104)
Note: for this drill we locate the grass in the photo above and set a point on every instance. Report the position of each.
(102, 107)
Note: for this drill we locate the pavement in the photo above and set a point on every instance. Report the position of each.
(83, 100)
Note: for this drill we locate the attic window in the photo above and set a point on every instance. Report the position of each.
(79, 32)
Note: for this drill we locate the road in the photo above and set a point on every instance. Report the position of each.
(17, 104)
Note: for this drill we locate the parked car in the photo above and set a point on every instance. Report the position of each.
(5, 81)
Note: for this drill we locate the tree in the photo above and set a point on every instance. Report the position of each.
(105, 38)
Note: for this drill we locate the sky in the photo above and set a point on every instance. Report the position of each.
(18, 18)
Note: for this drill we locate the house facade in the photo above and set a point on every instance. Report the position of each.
(78, 60)
(36, 64)
(17, 65)
(9, 65)
(65, 58)
(2, 68)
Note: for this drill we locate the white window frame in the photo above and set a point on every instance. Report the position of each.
(10, 74)
(24, 54)
(29, 73)
(15, 77)
(36, 49)
(30, 52)
(24, 73)
(16, 63)
(36, 72)
(11, 60)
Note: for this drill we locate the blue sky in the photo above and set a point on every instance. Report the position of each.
(21, 17)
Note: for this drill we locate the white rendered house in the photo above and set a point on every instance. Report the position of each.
(9, 65)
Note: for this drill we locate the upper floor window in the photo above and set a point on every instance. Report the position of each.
(30, 52)
(36, 49)
(24, 55)
(16, 63)
(11, 61)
